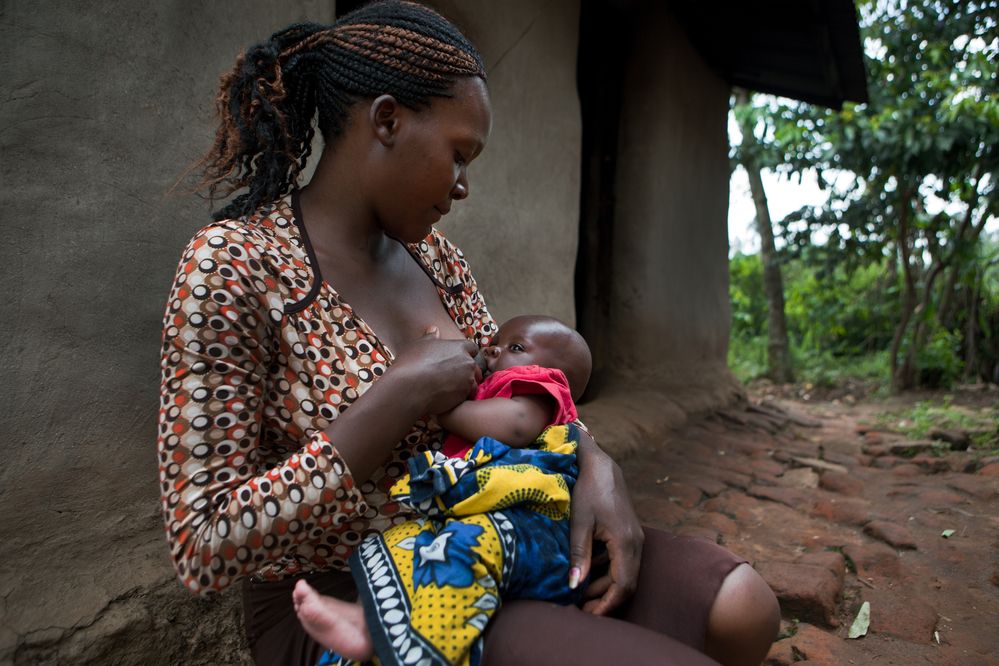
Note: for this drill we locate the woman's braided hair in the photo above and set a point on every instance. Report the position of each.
(267, 103)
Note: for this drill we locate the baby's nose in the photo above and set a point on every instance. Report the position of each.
(491, 352)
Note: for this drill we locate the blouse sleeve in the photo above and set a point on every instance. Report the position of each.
(467, 306)
(232, 500)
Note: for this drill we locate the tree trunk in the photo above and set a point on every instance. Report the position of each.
(971, 344)
(778, 349)
(902, 378)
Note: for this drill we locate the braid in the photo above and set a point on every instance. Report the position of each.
(266, 104)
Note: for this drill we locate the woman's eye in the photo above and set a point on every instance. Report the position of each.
(459, 160)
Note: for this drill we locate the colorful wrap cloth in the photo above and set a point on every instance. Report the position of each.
(493, 525)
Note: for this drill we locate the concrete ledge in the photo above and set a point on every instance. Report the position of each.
(628, 414)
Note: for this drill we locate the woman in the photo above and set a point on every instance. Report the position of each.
(311, 333)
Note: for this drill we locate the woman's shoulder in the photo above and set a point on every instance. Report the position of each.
(445, 259)
(265, 245)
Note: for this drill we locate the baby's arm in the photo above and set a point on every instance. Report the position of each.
(515, 421)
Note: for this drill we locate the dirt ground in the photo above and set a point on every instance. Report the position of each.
(832, 516)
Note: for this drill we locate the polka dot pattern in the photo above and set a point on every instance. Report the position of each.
(256, 363)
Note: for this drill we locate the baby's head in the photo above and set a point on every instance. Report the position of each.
(544, 341)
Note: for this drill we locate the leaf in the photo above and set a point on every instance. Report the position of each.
(947, 533)
(863, 621)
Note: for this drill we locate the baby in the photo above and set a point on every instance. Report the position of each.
(493, 516)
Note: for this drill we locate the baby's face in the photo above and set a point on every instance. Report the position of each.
(519, 342)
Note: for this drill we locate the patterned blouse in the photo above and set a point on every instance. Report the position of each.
(258, 358)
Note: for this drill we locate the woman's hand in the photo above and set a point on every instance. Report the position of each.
(443, 372)
(428, 376)
(601, 510)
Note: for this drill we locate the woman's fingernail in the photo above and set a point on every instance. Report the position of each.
(573, 578)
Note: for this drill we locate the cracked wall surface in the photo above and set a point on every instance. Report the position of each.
(520, 226)
(104, 104)
(670, 304)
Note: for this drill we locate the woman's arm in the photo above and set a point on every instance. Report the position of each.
(601, 510)
(237, 495)
(429, 375)
(516, 421)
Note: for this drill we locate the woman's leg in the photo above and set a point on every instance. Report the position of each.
(706, 596)
(539, 633)
(744, 620)
(692, 596)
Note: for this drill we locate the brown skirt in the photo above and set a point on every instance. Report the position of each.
(663, 623)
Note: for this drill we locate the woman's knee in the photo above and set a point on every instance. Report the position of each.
(744, 620)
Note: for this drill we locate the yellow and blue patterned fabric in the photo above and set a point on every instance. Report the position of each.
(492, 526)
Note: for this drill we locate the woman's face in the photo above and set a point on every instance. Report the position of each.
(427, 167)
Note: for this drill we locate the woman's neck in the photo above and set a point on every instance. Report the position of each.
(340, 222)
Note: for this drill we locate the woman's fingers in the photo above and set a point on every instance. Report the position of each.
(601, 510)
(617, 586)
(580, 542)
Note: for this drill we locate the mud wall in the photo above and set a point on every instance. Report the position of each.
(519, 226)
(103, 105)
(662, 333)
(669, 305)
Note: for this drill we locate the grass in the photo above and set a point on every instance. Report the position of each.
(915, 422)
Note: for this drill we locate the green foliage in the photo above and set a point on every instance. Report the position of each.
(939, 361)
(916, 422)
(838, 328)
(931, 127)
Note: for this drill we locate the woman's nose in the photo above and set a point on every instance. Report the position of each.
(460, 189)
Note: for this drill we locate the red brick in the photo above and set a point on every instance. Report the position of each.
(886, 462)
(907, 470)
(659, 512)
(708, 486)
(931, 464)
(843, 484)
(906, 490)
(980, 489)
(804, 591)
(829, 559)
(765, 479)
(872, 439)
(789, 496)
(729, 508)
(741, 499)
(900, 613)
(863, 459)
(818, 646)
(937, 498)
(863, 429)
(780, 654)
(876, 560)
(717, 521)
(734, 465)
(890, 533)
(839, 458)
(767, 465)
(684, 494)
(989, 470)
(844, 511)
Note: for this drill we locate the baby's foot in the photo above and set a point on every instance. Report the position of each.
(335, 624)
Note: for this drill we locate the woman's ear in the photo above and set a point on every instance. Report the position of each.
(383, 116)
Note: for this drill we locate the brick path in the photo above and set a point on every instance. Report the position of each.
(830, 527)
